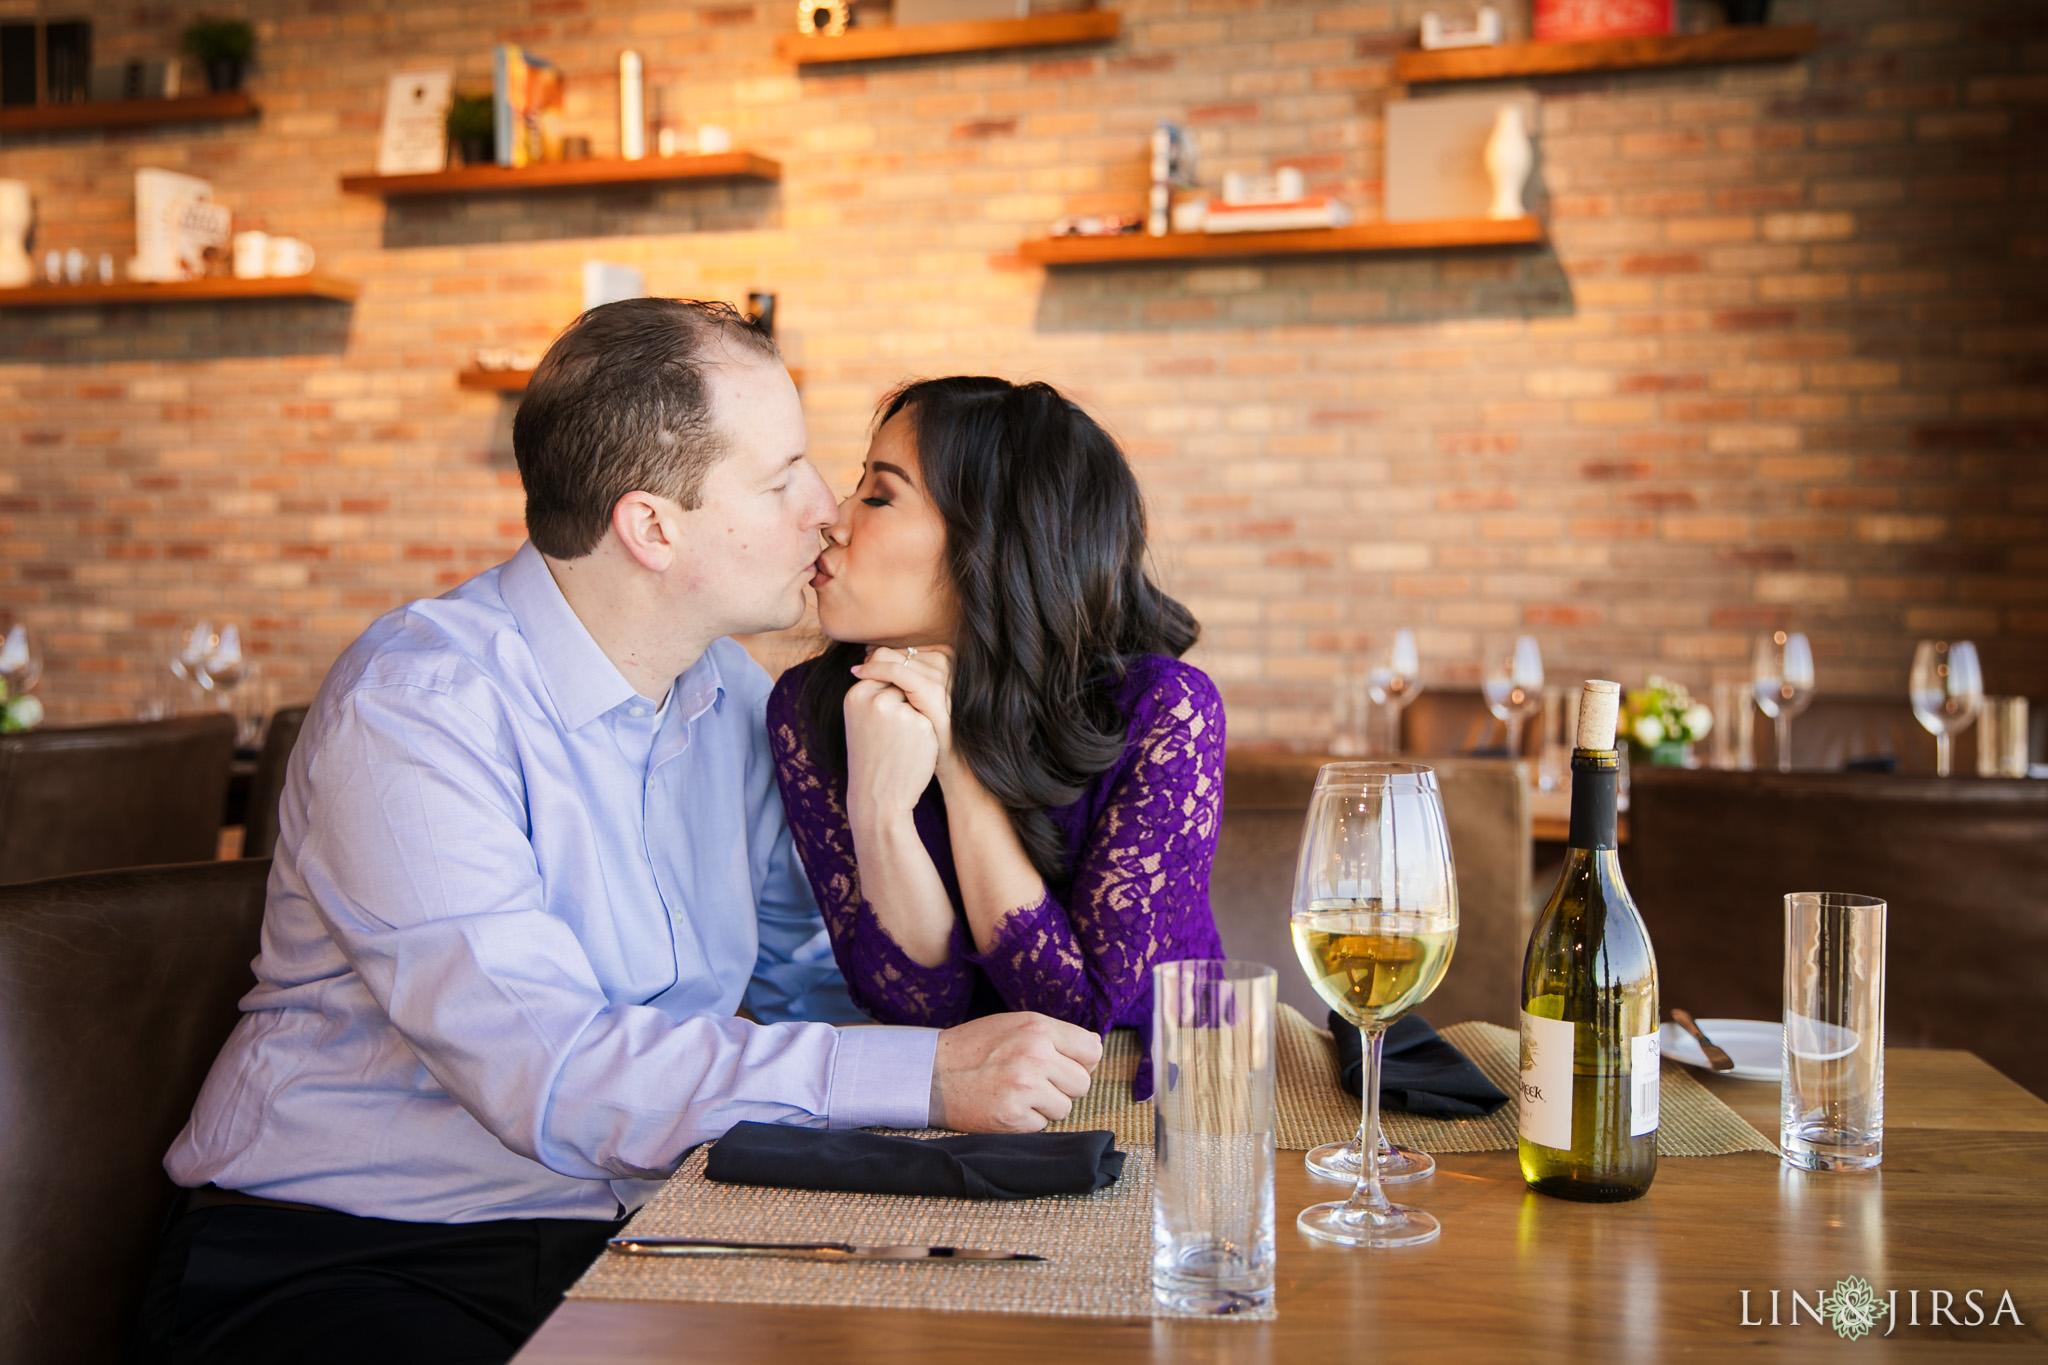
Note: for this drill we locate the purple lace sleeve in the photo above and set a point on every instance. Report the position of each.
(1141, 884)
(886, 982)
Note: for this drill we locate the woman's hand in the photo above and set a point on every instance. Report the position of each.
(924, 676)
(891, 750)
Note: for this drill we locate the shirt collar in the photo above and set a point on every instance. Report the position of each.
(581, 681)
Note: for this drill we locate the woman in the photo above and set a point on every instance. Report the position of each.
(1003, 783)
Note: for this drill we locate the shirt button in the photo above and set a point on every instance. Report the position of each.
(639, 711)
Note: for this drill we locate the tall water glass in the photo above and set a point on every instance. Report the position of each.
(1212, 1114)
(1782, 676)
(1733, 738)
(1512, 683)
(1946, 689)
(1832, 1094)
(2002, 737)
(1393, 679)
(1375, 917)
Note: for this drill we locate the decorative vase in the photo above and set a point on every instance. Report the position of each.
(1509, 158)
(17, 216)
(224, 74)
(1672, 753)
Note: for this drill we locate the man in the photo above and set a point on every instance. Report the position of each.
(530, 863)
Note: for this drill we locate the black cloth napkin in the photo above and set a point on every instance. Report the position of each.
(1420, 1073)
(973, 1166)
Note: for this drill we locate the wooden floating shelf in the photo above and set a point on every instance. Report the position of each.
(1183, 246)
(1739, 43)
(925, 40)
(222, 290)
(514, 381)
(552, 175)
(57, 118)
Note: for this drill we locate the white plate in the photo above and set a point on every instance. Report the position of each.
(1757, 1048)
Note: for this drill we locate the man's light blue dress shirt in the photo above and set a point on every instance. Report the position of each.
(514, 908)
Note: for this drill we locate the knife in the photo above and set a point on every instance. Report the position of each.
(1716, 1058)
(806, 1251)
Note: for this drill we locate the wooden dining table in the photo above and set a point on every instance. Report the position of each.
(1959, 1204)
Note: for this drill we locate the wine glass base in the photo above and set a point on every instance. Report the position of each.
(1399, 1226)
(1338, 1161)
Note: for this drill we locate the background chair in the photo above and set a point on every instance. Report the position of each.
(1450, 721)
(105, 796)
(117, 989)
(1486, 805)
(259, 835)
(1962, 863)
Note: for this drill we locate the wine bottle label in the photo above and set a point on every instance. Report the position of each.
(1547, 1080)
(1645, 1084)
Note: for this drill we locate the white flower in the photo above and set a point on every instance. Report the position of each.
(1699, 721)
(25, 713)
(1649, 731)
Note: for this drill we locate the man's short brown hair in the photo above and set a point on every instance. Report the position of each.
(618, 405)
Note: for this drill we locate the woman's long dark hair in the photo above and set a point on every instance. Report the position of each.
(1045, 547)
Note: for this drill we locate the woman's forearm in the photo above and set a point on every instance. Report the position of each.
(997, 878)
(901, 885)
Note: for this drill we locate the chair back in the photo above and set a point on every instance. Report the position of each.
(104, 796)
(117, 990)
(1486, 806)
(259, 834)
(1454, 721)
(1961, 862)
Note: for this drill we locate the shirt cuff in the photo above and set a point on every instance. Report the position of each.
(882, 1078)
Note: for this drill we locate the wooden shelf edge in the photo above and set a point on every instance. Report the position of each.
(1446, 234)
(1741, 43)
(514, 381)
(568, 175)
(53, 118)
(315, 286)
(925, 40)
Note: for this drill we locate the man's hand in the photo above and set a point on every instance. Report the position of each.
(1010, 1073)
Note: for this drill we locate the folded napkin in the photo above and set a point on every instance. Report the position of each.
(1420, 1073)
(975, 1166)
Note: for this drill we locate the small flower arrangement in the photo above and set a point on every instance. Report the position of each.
(18, 713)
(1660, 718)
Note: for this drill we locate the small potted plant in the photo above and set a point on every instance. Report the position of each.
(18, 713)
(223, 47)
(472, 128)
(1663, 722)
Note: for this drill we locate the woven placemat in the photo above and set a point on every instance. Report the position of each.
(1313, 1108)
(1099, 1245)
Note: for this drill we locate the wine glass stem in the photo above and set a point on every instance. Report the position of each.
(1514, 737)
(1784, 743)
(1941, 755)
(1368, 1199)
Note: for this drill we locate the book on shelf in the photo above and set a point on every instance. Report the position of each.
(1310, 211)
(527, 104)
(1554, 21)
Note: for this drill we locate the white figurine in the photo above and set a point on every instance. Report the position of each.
(1509, 158)
(17, 215)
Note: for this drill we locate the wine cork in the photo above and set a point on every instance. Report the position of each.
(1599, 703)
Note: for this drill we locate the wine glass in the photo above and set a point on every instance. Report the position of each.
(1394, 679)
(1947, 688)
(20, 665)
(1513, 686)
(189, 649)
(1375, 917)
(222, 667)
(1782, 675)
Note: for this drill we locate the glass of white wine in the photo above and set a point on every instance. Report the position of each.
(1375, 917)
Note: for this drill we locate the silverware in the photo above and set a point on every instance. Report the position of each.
(806, 1251)
(1716, 1058)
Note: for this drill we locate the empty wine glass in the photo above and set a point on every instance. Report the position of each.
(1513, 685)
(1393, 679)
(20, 665)
(189, 649)
(1947, 688)
(1374, 921)
(222, 668)
(1782, 674)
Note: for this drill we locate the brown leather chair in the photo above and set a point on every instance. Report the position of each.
(1961, 862)
(1452, 721)
(103, 796)
(259, 831)
(1265, 796)
(116, 991)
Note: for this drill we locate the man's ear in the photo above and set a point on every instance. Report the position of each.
(648, 530)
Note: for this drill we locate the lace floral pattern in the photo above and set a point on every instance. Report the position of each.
(1140, 841)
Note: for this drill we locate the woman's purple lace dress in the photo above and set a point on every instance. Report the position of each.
(1140, 842)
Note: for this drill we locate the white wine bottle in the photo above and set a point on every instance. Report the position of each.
(1589, 1001)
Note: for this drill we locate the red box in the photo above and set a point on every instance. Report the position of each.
(1563, 20)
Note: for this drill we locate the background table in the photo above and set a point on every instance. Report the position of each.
(1960, 1203)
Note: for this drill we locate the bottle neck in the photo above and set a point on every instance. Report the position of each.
(1596, 777)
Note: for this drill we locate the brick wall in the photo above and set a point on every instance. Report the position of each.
(1784, 361)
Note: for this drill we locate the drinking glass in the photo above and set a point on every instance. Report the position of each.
(20, 665)
(1560, 730)
(1375, 917)
(1782, 675)
(1734, 734)
(222, 668)
(1350, 714)
(1831, 1097)
(1946, 689)
(2002, 737)
(189, 650)
(1212, 1113)
(1393, 679)
(1513, 685)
